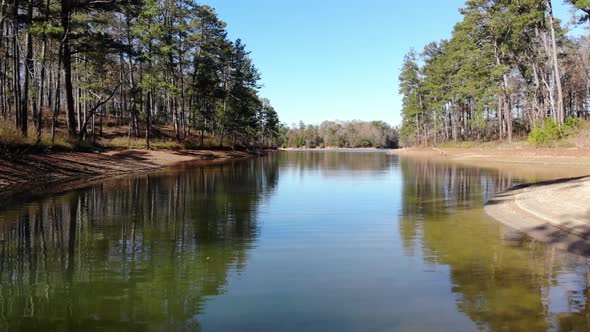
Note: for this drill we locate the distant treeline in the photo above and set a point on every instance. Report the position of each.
(341, 134)
(508, 69)
(147, 63)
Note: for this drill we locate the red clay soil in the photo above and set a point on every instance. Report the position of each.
(41, 173)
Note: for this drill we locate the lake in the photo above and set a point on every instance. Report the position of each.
(294, 241)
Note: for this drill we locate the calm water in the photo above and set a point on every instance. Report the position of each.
(296, 241)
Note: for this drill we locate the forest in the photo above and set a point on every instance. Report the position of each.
(510, 69)
(72, 68)
(340, 134)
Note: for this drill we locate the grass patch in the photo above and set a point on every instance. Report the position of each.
(139, 143)
(12, 141)
(516, 142)
(123, 143)
(167, 145)
(461, 144)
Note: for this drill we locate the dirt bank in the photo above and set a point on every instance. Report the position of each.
(577, 157)
(43, 173)
(527, 163)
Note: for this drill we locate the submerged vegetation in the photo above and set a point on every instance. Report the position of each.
(69, 66)
(508, 69)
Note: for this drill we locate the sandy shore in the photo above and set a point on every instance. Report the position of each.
(571, 157)
(555, 211)
(44, 173)
(525, 163)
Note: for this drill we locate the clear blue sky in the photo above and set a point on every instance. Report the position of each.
(337, 59)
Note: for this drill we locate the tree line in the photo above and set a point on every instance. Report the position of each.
(341, 134)
(508, 68)
(144, 63)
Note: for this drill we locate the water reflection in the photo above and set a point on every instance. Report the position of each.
(338, 164)
(223, 248)
(141, 253)
(501, 279)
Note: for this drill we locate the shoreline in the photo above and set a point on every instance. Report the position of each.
(529, 164)
(553, 211)
(39, 174)
(532, 209)
(570, 157)
(333, 149)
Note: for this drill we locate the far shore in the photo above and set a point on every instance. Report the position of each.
(329, 148)
(37, 174)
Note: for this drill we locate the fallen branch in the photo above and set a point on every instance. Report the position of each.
(440, 151)
(95, 108)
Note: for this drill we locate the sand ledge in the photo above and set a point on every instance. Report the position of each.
(556, 212)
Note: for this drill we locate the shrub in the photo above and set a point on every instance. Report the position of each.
(571, 125)
(10, 134)
(551, 131)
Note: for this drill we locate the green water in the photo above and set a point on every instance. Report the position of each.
(295, 241)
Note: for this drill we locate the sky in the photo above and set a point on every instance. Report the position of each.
(337, 59)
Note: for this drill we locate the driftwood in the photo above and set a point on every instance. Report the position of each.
(440, 151)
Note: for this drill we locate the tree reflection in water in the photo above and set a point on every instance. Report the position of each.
(502, 280)
(135, 253)
(149, 252)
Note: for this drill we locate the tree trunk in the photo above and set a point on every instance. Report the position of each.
(507, 109)
(28, 75)
(16, 67)
(57, 101)
(148, 119)
(560, 111)
(42, 79)
(67, 67)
